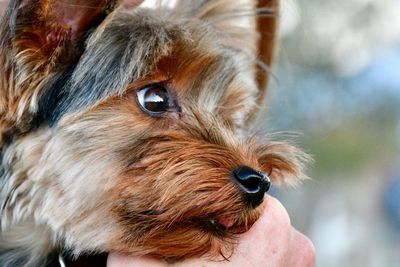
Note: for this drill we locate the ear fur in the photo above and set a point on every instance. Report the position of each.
(38, 39)
(267, 27)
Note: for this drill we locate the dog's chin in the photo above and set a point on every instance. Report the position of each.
(210, 235)
(223, 230)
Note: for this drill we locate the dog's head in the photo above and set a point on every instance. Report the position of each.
(128, 130)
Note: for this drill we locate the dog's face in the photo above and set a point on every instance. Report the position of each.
(129, 131)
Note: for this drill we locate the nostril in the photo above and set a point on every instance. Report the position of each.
(251, 180)
(253, 183)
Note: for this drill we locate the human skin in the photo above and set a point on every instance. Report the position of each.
(270, 242)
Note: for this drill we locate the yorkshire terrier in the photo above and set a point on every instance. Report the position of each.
(128, 130)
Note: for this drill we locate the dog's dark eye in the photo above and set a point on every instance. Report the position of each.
(154, 99)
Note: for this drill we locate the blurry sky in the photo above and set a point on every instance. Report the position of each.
(338, 83)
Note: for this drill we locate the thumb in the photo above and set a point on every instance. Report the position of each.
(123, 260)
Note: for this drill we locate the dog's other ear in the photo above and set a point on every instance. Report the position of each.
(248, 25)
(267, 26)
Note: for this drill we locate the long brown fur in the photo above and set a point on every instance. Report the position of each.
(85, 170)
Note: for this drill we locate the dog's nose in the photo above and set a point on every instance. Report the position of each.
(253, 184)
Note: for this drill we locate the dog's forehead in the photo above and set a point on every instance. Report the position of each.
(139, 46)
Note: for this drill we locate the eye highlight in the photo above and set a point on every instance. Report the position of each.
(154, 99)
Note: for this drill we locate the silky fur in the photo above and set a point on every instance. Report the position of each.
(85, 170)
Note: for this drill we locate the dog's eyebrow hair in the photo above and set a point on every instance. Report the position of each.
(216, 76)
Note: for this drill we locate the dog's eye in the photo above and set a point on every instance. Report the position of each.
(154, 99)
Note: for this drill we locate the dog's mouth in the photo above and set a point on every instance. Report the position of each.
(218, 224)
(223, 225)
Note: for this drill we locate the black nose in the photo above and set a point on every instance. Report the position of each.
(253, 184)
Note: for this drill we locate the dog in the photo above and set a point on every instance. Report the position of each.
(130, 129)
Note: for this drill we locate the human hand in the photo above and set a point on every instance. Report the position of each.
(271, 242)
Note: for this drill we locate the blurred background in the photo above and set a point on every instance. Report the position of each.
(338, 83)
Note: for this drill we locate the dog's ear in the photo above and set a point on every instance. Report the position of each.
(249, 25)
(38, 40)
(52, 28)
(267, 27)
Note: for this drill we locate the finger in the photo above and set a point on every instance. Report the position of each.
(269, 238)
(121, 260)
(302, 252)
(265, 244)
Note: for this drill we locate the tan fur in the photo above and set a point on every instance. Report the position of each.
(105, 176)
